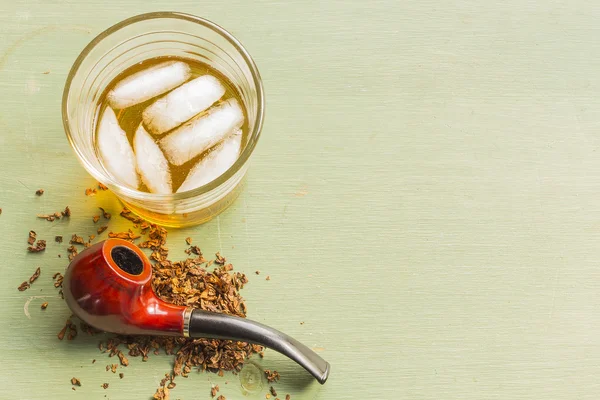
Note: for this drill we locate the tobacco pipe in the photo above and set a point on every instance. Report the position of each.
(108, 286)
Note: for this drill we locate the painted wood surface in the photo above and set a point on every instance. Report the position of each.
(425, 198)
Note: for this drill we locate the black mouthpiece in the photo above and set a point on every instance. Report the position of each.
(220, 326)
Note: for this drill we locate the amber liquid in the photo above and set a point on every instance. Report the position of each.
(131, 117)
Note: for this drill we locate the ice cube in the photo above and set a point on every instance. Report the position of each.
(202, 132)
(216, 162)
(115, 150)
(148, 83)
(182, 103)
(151, 163)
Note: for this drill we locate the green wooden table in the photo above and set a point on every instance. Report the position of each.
(425, 198)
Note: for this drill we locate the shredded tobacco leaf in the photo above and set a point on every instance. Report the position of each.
(219, 259)
(69, 329)
(101, 186)
(39, 246)
(123, 359)
(102, 229)
(27, 284)
(72, 252)
(168, 377)
(56, 215)
(127, 214)
(35, 275)
(58, 239)
(129, 235)
(288, 397)
(272, 376)
(49, 217)
(62, 332)
(162, 393)
(72, 330)
(273, 391)
(31, 239)
(90, 192)
(268, 278)
(121, 375)
(105, 385)
(44, 305)
(214, 390)
(193, 249)
(75, 382)
(96, 218)
(58, 280)
(221, 397)
(104, 213)
(39, 192)
(76, 239)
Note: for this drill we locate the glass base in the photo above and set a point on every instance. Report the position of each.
(182, 220)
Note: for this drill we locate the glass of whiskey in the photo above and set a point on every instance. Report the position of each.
(165, 109)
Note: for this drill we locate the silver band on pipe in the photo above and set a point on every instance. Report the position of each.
(187, 315)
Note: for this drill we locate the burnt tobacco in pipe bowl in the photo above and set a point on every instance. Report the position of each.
(108, 285)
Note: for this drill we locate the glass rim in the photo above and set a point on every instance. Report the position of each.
(252, 137)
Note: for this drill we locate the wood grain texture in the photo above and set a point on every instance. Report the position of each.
(425, 197)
